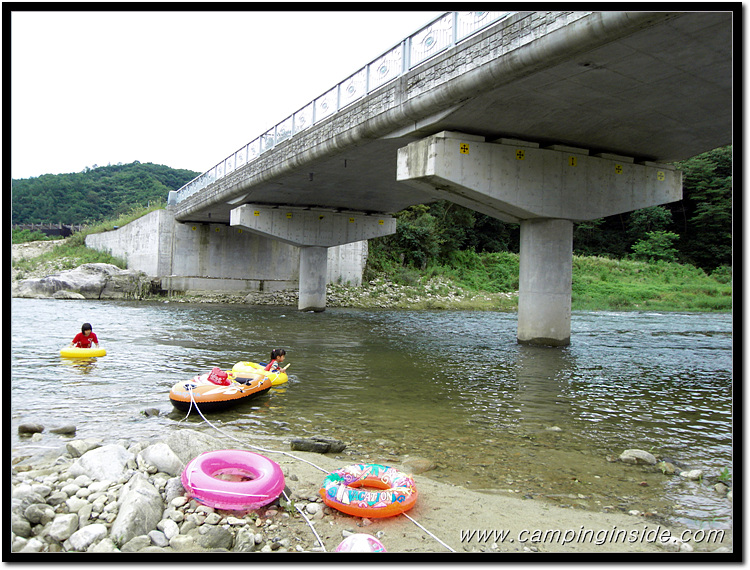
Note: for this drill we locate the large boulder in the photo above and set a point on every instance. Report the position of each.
(89, 281)
(141, 508)
(188, 443)
(106, 463)
(161, 456)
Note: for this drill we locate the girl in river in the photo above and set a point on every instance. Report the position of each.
(85, 338)
(277, 356)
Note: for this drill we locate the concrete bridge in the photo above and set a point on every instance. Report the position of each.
(540, 118)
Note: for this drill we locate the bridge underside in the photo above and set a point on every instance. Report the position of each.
(561, 123)
(650, 86)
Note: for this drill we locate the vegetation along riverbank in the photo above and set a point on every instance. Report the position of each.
(473, 281)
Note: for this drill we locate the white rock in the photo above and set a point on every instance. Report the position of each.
(33, 545)
(637, 456)
(212, 518)
(140, 510)
(161, 456)
(693, 474)
(178, 502)
(169, 528)
(75, 504)
(313, 508)
(99, 486)
(70, 489)
(103, 463)
(158, 538)
(63, 526)
(104, 545)
(83, 481)
(81, 539)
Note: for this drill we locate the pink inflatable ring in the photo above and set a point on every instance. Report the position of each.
(233, 479)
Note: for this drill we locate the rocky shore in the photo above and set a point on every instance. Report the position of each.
(127, 497)
(106, 281)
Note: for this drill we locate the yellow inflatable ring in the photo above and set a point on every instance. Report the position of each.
(76, 352)
(249, 369)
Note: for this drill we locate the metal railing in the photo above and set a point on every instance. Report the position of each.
(440, 34)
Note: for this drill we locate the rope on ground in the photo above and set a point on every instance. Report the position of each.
(309, 523)
(428, 532)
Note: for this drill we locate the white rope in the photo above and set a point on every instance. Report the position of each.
(428, 532)
(309, 523)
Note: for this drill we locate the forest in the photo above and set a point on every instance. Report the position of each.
(95, 194)
(696, 230)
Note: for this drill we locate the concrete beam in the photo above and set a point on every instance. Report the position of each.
(311, 227)
(516, 180)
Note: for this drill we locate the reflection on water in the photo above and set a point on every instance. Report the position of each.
(455, 387)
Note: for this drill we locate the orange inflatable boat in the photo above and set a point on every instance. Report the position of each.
(214, 392)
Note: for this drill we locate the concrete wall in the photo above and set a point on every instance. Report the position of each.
(217, 257)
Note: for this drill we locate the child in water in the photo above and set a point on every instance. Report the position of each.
(85, 338)
(277, 356)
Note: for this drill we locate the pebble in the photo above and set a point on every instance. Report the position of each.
(28, 429)
(693, 474)
(637, 457)
(56, 508)
(56, 512)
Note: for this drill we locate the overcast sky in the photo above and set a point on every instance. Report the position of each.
(184, 89)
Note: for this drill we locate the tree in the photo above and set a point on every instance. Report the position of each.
(707, 191)
(656, 246)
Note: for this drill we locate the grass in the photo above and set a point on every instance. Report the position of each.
(599, 284)
(610, 284)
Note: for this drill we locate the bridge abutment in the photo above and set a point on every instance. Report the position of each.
(313, 231)
(546, 190)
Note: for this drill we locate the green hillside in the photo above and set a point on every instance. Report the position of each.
(94, 194)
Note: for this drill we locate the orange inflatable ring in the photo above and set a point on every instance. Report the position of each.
(394, 493)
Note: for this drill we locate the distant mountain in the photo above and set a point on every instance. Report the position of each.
(94, 194)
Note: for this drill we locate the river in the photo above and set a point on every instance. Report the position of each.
(451, 386)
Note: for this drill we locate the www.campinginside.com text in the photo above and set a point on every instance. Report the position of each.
(590, 536)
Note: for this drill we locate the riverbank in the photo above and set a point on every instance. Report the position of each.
(86, 496)
(599, 284)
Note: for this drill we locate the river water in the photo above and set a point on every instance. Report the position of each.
(454, 387)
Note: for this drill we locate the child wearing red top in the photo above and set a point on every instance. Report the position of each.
(277, 356)
(85, 338)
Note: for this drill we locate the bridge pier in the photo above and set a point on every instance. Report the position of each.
(546, 190)
(545, 280)
(313, 265)
(313, 231)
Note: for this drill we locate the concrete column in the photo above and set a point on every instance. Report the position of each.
(545, 282)
(313, 270)
(313, 230)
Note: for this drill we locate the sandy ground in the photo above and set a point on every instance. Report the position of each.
(449, 514)
(33, 248)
